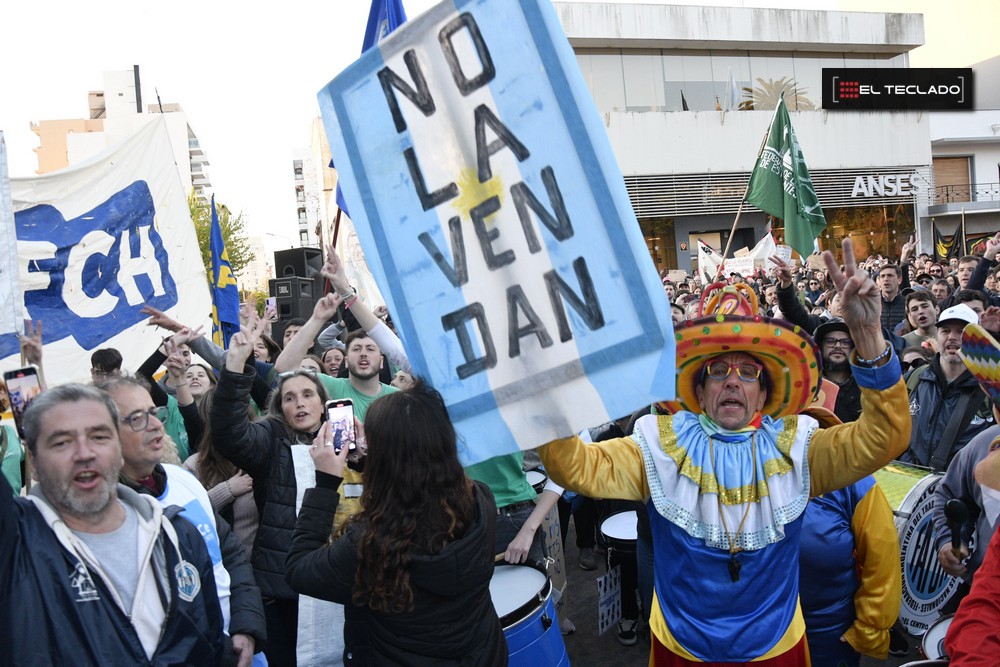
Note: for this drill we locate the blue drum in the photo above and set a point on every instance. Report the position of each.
(522, 597)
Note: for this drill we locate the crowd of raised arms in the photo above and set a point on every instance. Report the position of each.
(206, 507)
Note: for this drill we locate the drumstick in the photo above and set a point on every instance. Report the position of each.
(499, 557)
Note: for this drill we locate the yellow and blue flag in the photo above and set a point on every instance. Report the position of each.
(225, 293)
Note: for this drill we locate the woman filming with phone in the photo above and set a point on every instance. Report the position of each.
(413, 566)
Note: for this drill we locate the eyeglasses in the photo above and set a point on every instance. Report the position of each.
(720, 370)
(95, 373)
(813, 282)
(916, 363)
(845, 343)
(138, 421)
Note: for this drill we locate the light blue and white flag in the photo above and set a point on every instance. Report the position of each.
(495, 219)
(98, 241)
(11, 300)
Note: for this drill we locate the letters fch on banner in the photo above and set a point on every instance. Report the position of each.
(98, 241)
(495, 219)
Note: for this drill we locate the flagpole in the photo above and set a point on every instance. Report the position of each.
(746, 190)
(964, 240)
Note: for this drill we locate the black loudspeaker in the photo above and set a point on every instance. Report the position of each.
(301, 262)
(295, 297)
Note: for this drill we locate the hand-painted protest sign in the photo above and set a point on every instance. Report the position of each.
(741, 265)
(497, 224)
(97, 242)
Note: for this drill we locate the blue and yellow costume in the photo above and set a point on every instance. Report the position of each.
(726, 507)
(849, 574)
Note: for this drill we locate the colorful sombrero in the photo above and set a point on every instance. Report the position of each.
(981, 354)
(729, 322)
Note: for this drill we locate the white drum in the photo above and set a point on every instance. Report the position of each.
(537, 479)
(933, 641)
(620, 530)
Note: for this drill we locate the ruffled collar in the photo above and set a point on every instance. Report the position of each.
(717, 432)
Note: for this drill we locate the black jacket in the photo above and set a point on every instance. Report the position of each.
(453, 621)
(932, 403)
(263, 451)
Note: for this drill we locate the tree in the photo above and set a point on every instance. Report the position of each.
(767, 93)
(234, 234)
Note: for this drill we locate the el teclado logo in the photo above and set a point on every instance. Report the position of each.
(891, 89)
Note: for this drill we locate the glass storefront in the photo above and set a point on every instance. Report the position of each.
(667, 79)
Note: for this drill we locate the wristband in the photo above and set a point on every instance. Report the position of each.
(347, 295)
(870, 363)
(350, 303)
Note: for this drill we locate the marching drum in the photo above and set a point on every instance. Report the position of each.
(933, 641)
(537, 479)
(522, 597)
(619, 531)
(926, 586)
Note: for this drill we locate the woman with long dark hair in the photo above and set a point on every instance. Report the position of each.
(413, 566)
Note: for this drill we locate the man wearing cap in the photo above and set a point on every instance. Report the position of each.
(834, 341)
(727, 478)
(946, 404)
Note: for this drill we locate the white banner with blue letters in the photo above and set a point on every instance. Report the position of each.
(98, 241)
(495, 219)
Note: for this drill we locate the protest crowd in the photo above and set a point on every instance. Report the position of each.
(201, 508)
(820, 484)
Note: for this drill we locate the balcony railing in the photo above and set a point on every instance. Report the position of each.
(955, 194)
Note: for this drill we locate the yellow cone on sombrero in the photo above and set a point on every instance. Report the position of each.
(730, 323)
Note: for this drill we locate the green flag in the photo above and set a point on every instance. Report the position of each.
(780, 185)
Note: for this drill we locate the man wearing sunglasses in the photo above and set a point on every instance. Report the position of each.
(727, 476)
(140, 429)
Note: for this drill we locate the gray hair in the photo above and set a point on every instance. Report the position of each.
(49, 399)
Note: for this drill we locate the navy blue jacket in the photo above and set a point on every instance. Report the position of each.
(55, 611)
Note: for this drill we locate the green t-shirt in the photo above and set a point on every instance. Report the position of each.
(12, 458)
(505, 477)
(342, 388)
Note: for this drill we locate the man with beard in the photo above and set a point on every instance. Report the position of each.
(141, 433)
(94, 573)
(921, 311)
(946, 404)
(362, 384)
(893, 306)
(835, 345)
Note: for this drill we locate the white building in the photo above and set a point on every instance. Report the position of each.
(966, 149)
(686, 170)
(115, 113)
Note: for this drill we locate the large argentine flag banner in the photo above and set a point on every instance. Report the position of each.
(496, 222)
(98, 241)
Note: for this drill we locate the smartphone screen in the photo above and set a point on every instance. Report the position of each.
(271, 309)
(340, 414)
(22, 388)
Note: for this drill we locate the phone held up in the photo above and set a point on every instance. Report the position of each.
(340, 415)
(271, 309)
(22, 388)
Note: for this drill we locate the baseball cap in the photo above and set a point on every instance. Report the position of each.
(959, 312)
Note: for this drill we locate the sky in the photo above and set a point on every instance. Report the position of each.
(248, 76)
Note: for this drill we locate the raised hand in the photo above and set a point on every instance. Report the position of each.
(326, 307)
(158, 318)
(861, 301)
(186, 334)
(333, 270)
(782, 270)
(242, 344)
(907, 250)
(31, 342)
(992, 247)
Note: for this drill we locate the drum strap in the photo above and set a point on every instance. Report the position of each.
(960, 418)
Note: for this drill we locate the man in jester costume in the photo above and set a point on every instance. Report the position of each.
(727, 477)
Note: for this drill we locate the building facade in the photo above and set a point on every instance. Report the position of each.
(687, 94)
(114, 114)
